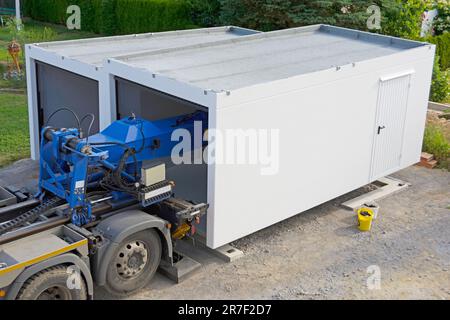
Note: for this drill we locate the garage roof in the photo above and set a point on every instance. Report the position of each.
(265, 57)
(95, 50)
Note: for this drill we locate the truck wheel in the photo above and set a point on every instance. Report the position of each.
(134, 263)
(51, 284)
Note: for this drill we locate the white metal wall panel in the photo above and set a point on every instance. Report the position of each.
(390, 124)
(324, 151)
(326, 144)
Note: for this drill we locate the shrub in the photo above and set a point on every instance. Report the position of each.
(269, 15)
(264, 15)
(403, 18)
(434, 142)
(12, 27)
(442, 43)
(204, 12)
(441, 23)
(25, 34)
(440, 83)
(35, 35)
(344, 13)
(399, 18)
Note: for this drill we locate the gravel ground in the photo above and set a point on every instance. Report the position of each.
(320, 254)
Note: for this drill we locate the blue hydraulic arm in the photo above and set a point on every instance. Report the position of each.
(112, 160)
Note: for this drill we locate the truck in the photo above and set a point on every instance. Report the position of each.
(104, 213)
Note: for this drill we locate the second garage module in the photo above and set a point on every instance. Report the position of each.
(354, 102)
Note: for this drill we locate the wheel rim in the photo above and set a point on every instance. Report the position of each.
(131, 260)
(55, 293)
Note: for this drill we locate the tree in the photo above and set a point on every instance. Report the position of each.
(399, 17)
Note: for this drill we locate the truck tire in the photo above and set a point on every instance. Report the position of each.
(134, 263)
(52, 284)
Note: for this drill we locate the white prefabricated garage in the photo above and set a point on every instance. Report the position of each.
(349, 108)
(71, 74)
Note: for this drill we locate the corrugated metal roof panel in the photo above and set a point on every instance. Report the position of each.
(95, 50)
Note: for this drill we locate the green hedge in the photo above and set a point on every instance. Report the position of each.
(442, 43)
(151, 15)
(116, 16)
(53, 11)
(440, 86)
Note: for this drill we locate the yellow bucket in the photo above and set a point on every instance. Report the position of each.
(365, 217)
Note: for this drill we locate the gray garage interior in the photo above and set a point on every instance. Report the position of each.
(148, 103)
(153, 105)
(58, 88)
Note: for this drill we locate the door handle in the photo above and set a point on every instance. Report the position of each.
(380, 128)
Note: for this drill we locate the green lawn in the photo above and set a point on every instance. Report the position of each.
(14, 137)
(33, 31)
